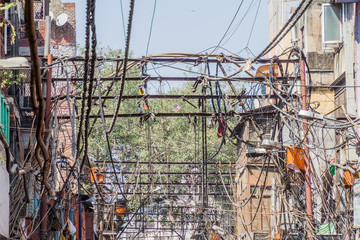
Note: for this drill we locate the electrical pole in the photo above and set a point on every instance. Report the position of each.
(309, 210)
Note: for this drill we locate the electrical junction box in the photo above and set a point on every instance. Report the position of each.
(310, 115)
(295, 156)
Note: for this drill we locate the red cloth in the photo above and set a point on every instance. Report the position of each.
(221, 128)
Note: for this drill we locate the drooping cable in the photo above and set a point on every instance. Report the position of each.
(126, 56)
(228, 28)
(91, 83)
(252, 27)
(151, 26)
(108, 141)
(85, 79)
(283, 31)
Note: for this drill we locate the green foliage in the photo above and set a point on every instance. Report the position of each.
(8, 78)
(4, 7)
(156, 139)
(8, 6)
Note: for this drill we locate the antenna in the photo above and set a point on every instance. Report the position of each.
(61, 19)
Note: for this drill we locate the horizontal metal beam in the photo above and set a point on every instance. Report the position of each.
(167, 173)
(174, 194)
(176, 79)
(165, 59)
(259, 96)
(178, 114)
(155, 228)
(166, 163)
(165, 221)
(177, 214)
(165, 184)
(183, 58)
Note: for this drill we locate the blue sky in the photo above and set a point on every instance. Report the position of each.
(179, 25)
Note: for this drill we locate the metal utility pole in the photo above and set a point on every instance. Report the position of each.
(44, 199)
(309, 210)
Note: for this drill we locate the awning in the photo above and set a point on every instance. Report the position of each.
(14, 63)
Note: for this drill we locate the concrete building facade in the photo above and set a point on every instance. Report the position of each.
(327, 34)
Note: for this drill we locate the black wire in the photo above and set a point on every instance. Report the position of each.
(108, 142)
(233, 19)
(122, 18)
(283, 31)
(126, 58)
(238, 25)
(86, 65)
(222, 126)
(151, 25)
(252, 27)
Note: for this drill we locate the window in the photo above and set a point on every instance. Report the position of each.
(331, 22)
(340, 98)
(38, 10)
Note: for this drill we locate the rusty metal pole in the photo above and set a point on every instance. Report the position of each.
(44, 199)
(309, 210)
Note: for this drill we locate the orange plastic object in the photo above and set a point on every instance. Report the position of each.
(97, 173)
(264, 70)
(120, 209)
(349, 178)
(215, 236)
(295, 155)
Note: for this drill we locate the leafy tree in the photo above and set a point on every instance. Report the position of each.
(157, 140)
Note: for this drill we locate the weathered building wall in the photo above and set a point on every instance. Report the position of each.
(307, 35)
(254, 220)
(63, 44)
(275, 18)
(344, 58)
(63, 36)
(4, 194)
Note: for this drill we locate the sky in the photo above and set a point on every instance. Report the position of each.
(179, 25)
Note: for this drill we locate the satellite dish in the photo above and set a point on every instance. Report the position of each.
(61, 19)
(51, 14)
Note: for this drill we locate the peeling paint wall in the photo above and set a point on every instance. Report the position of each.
(4, 195)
